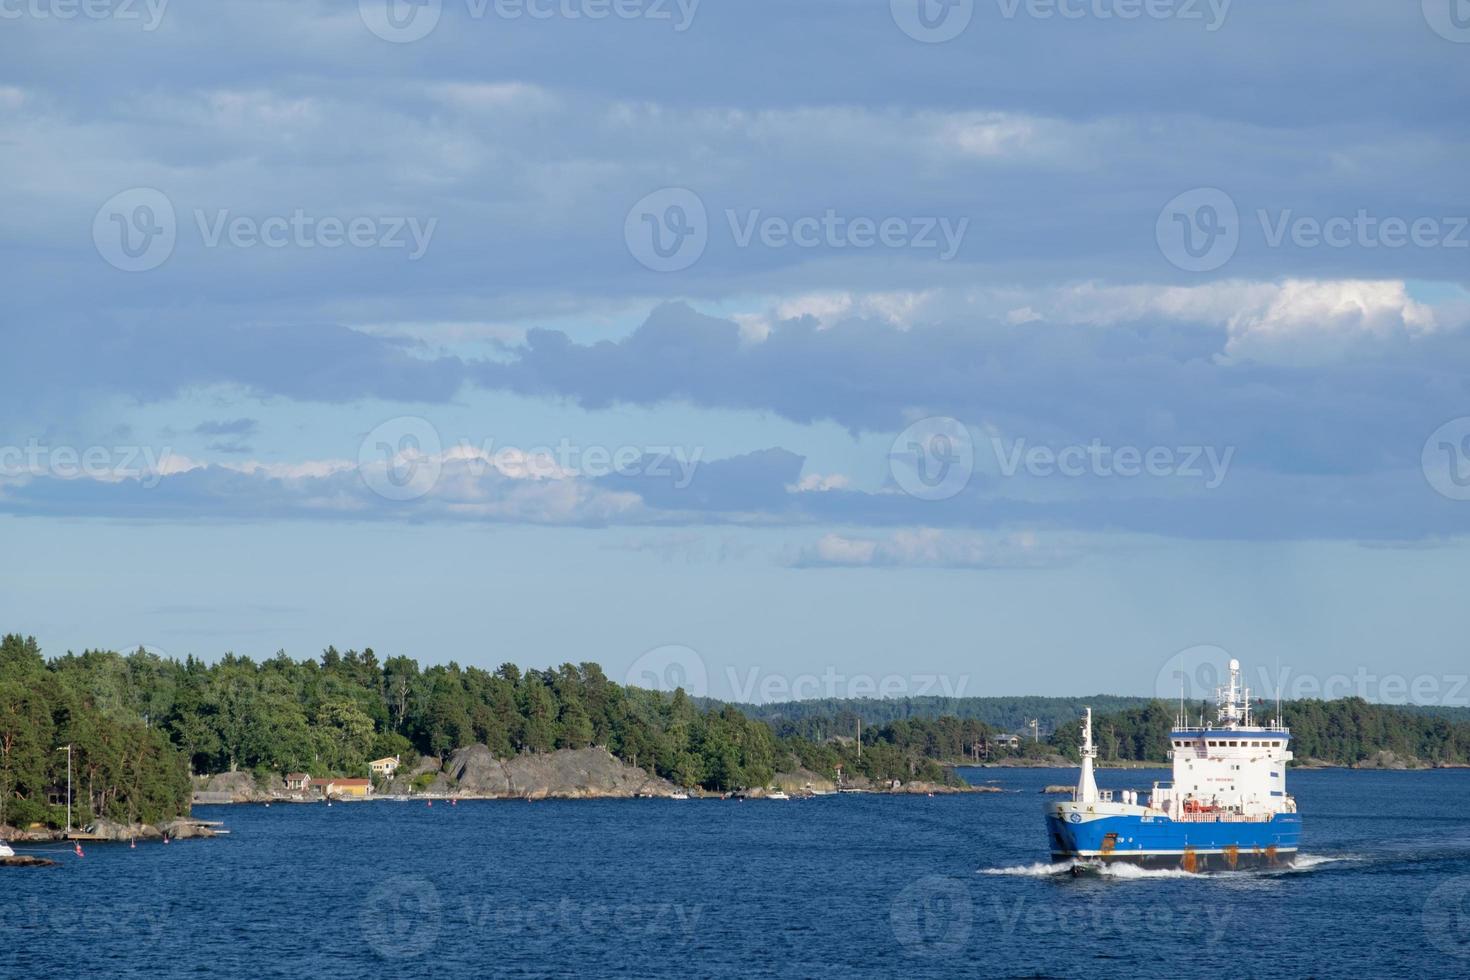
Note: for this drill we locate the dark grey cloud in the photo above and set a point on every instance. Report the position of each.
(1140, 383)
(233, 427)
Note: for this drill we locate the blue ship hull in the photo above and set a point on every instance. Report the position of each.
(1158, 842)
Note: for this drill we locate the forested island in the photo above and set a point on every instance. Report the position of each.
(140, 726)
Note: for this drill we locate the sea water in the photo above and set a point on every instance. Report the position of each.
(833, 886)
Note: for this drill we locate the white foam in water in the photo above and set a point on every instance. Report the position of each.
(1125, 870)
(1306, 862)
(1037, 870)
(1302, 862)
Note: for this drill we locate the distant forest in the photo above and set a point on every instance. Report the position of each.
(1001, 714)
(140, 726)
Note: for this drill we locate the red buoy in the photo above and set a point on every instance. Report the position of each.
(79, 850)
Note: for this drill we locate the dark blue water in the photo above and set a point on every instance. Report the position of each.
(836, 886)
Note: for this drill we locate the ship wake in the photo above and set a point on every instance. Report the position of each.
(1125, 871)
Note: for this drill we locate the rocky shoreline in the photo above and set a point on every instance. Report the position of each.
(473, 772)
(180, 828)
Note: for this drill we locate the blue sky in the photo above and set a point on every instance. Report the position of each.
(1010, 345)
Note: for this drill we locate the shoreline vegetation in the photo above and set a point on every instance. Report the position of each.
(141, 726)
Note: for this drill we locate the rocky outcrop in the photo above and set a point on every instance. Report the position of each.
(590, 773)
(1052, 761)
(803, 781)
(237, 787)
(404, 778)
(478, 773)
(1385, 759)
(1058, 789)
(26, 861)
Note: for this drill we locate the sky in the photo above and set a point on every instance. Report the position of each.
(773, 349)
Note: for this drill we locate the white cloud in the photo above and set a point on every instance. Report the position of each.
(932, 548)
(818, 483)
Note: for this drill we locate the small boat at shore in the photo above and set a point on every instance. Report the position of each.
(778, 795)
(5, 851)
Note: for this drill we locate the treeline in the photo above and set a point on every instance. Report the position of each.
(1001, 714)
(122, 767)
(141, 725)
(1340, 732)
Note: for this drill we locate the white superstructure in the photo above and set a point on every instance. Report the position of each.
(1231, 768)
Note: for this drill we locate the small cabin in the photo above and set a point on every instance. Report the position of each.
(385, 767)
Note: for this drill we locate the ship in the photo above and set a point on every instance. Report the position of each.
(1226, 809)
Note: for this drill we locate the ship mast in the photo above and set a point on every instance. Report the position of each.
(1086, 785)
